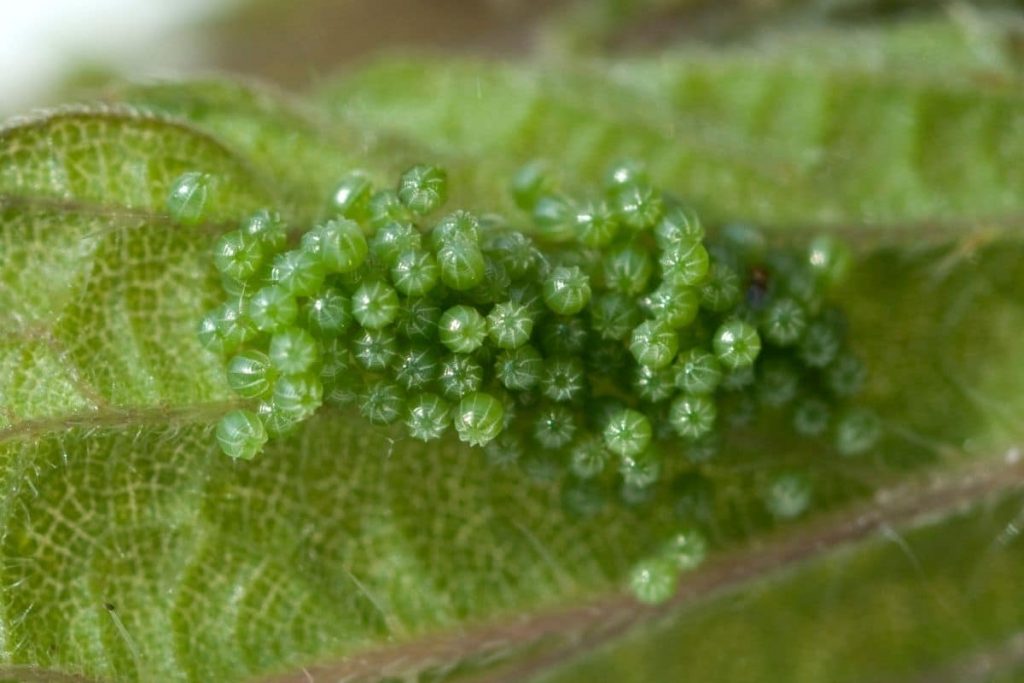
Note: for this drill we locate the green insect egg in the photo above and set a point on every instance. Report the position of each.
(653, 580)
(857, 431)
(783, 322)
(297, 271)
(686, 263)
(554, 427)
(493, 287)
(514, 251)
(567, 290)
(298, 396)
(328, 314)
(721, 290)
(415, 273)
(479, 418)
(738, 379)
(267, 228)
(678, 227)
(697, 372)
(802, 286)
(250, 374)
(234, 325)
(638, 206)
(811, 417)
(736, 344)
(351, 197)
(692, 416)
(277, 422)
(613, 315)
(241, 434)
(235, 289)
(595, 225)
(336, 361)
(418, 319)
(704, 449)
(820, 344)
(653, 386)
(375, 350)
(624, 173)
(188, 198)
(272, 308)
(673, 303)
(423, 188)
(375, 305)
(609, 359)
(382, 403)
(627, 432)
(385, 207)
(519, 369)
(238, 257)
(427, 416)
(459, 374)
(531, 182)
(417, 367)
(293, 351)
(686, 549)
(654, 344)
(509, 325)
(778, 381)
(505, 450)
(588, 457)
(845, 375)
(456, 226)
(829, 259)
(393, 240)
(788, 495)
(564, 335)
(529, 294)
(344, 391)
(462, 264)
(563, 379)
(462, 329)
(627, 269)
(310, 243)
(343, 247)
(635, 496)
(208, 333)
(555, 218)
(640, 470)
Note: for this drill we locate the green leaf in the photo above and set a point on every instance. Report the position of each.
(101, 294)
(776, 134)
(294, 143)
(939, 603)
(131, 549)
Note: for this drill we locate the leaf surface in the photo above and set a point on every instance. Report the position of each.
(790, 132)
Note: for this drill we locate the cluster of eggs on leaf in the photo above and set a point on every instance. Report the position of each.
(619, 298)
(594, 334)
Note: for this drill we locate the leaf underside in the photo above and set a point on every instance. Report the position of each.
(130, 549)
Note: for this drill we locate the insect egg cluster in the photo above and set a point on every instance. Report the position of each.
(603, 328)
(607, 336)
